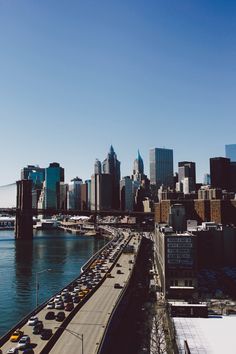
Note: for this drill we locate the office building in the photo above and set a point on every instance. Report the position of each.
(187, 176)
(220, 172)
(138, 169)
(74, 194)
(161, 167)
(111, 166)
(97, 167)
(54, 174)
(207, 179)
(230, 152)
(126, 194)
(176, 255)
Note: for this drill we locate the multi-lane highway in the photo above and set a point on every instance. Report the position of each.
(104, 284)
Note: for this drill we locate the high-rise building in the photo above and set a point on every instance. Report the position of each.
(54, 174)
(161, 167)
(97, 167)
(220, 172)
(112, 166)
(230, 152)
(74, 194)
(138, 170)
(207, 179)
(187, 176)
(126, 194)
(34, 173)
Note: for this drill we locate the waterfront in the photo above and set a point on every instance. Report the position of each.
(62, 252)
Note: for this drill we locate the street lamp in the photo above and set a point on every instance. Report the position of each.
(76, 334)
(37, 283)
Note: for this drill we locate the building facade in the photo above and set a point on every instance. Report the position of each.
(161, 167)
(230, 152)
(111, 166)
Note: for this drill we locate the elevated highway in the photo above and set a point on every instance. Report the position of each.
(84, 328)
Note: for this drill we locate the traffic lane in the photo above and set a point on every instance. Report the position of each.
(93, 317)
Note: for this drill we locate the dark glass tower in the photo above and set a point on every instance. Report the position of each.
(220, 172)
(112, 166)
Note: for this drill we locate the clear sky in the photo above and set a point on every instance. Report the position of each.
(79, 75)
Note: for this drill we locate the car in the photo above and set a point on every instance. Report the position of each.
(59, 305)
(119, 271)
(117, 286)
(76, 299)
(57, 298)
(46, 334)
(118, 265)
(60, 316)
(32, 321)
(13, 351)
(51, 305)
(38, 328)
(28, 351)
(50, 315)
(69, 306)
(16, 335)
(23, 342)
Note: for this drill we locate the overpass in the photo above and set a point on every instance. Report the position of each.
(85, 327)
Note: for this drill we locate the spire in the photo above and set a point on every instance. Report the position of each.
(111, 150)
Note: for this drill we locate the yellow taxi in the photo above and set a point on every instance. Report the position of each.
(15, 337)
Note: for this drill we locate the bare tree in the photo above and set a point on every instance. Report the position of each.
(157, 340)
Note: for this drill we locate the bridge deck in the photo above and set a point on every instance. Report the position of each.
(91, 320)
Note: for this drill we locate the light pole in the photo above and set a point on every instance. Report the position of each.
(37, 283)
(76, 334)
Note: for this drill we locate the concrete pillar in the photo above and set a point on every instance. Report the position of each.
(24, 215)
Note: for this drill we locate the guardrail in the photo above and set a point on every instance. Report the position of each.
(57, 334)
(113, 313)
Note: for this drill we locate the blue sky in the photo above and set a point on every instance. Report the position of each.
(77, 76)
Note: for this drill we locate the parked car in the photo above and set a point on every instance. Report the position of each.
(119, 271)
(69, 306)
(50, 315)
(16, 335)
(23, 342)
(46, 334)
(32, 321)
(60, 316)
(38, 328)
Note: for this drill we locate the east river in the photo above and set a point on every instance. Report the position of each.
(59, 251)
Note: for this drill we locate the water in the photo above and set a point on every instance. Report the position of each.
(62, 252)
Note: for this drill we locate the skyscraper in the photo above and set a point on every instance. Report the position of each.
(97, 167)
(54, 174)
(138, 170)
(112, 166)
(230, 152)
(220, 172)
(161, 167)
(187, 176)
(74, 194)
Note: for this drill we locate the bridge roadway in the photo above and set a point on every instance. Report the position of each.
(92, 318)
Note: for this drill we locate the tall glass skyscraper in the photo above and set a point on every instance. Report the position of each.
(161, 167)
(230, 152)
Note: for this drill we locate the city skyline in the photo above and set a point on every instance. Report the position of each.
(78, 77)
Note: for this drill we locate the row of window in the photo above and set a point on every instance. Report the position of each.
(176, 282)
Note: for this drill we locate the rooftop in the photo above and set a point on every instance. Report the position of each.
(215, 334)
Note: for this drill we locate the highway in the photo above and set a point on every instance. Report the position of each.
(85, 331)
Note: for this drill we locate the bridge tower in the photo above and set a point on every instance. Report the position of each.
(24, 215)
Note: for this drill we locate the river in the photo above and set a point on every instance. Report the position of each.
(59, 251)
